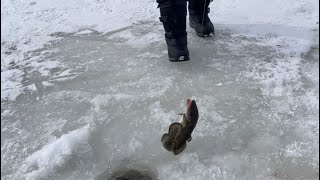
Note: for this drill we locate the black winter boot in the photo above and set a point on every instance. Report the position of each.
(199, 19)
(173, 16)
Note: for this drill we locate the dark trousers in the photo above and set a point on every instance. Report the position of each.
(193, 4)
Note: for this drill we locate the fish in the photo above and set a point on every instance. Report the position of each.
(180, 132)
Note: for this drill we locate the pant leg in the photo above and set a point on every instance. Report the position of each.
(171, 3)
(198, 5)
(173, 15)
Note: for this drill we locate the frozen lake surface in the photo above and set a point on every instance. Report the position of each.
(116, 94)
(89, 104)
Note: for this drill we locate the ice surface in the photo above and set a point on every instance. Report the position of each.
(45, 160)
(98, 99)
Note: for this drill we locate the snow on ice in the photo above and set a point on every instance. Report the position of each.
(87, 90)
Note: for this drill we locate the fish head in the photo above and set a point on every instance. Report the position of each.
(192, 111)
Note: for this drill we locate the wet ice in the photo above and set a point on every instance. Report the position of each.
(114, 95)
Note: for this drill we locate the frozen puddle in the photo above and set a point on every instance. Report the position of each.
(110, 97)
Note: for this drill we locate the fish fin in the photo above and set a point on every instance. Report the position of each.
(180, 149)
(164, 137)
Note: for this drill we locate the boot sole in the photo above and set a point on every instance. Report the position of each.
(179, 59)
(202, 35)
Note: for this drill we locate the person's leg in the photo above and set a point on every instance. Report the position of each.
(198, 17)
(173, 16)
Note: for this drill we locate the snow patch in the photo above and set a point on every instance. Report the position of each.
(53, 155)
(11, 86)
(84, 32)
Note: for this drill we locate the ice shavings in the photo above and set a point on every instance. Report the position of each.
(278, 78)
(55, 154)
(37, 20)
(296, 150)
(32, 71)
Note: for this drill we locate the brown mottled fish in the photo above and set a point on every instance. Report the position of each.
(179, 133)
